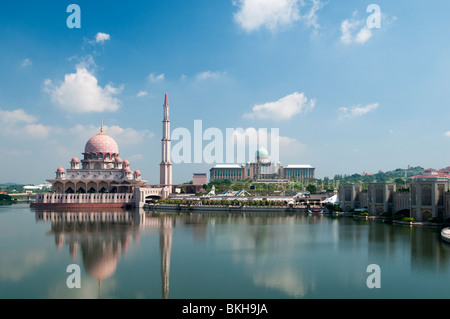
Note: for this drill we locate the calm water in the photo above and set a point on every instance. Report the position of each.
(146, 255)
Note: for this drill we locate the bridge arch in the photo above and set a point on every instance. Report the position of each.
(405, 212)
(152, 198)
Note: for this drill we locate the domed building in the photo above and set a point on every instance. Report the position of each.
(262, 155)
(101, 176)
(100, 171)
(262, 169)
(102, 179)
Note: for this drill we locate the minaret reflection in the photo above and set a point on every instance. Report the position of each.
(102, 237)
(166, 224)
(165, 246)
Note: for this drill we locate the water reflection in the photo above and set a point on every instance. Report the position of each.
(103, 236)
(296, 255)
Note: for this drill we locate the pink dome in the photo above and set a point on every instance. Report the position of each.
(137, 172)
(60, 170)
(75, 160)
(118, 159)
(125, 162)
(101, 143)
(126, 170)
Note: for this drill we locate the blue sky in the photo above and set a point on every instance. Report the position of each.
(346, 98)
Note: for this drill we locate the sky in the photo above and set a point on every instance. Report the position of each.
(350, 86)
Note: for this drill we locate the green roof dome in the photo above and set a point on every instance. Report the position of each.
(262, 152)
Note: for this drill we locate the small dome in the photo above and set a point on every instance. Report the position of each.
(75, 160)
(126, 170)
(60, 170)
(137, 172)
(118, 160)
(125, 162)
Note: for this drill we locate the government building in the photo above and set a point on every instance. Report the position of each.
(262, 169)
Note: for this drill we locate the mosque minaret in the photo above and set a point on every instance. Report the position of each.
(166, 166)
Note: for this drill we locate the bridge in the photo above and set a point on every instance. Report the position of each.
(402, 202)
(28, 195)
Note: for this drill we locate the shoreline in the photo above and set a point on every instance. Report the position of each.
(281, 209)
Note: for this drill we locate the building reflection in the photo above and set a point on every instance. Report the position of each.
(428, 254)
(102, 237)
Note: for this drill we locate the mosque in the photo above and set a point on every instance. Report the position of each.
(102, 179)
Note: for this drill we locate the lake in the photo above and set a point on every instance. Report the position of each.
(139, 254)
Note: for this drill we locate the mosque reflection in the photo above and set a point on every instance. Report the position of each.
(101, 237)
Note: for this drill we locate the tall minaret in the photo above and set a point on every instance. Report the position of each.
(165, 177)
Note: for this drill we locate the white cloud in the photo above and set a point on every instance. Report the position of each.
(37, 130)
(101, 37)
(447, 133)
(141, 94)
(363, 35)
(355, 111)
(80, 93)
(208, 75)
(19, 115)
(355, 31)
(283, 109)
(273, 14)
(18, 123)
(123, 136)
(310, 18)
(253, 14)
(348, 28)
(127, 136)
(26, 62)
(156, 78)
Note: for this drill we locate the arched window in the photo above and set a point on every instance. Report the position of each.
(348, 195)
(379, 195)
(426, 195)
(69, 191)
(426, 215)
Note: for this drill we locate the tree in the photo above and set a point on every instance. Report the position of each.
(311, 188)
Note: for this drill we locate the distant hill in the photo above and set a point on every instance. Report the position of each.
(398, 176)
